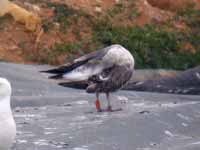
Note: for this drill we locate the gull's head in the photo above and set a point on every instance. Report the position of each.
(5, 88)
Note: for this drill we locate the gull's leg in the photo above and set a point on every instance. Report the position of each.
(109, 107)
(98, 104)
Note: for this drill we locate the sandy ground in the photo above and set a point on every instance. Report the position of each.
(50, 117)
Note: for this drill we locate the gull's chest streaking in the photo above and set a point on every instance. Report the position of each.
(7, 123)
(105, 70)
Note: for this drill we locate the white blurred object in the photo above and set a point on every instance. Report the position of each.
(7, 123)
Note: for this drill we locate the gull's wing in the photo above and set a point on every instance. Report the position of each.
(81, 68)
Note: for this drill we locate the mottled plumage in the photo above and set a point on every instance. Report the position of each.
(109, 80)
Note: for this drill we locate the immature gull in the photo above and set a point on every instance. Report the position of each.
(105, 71)
(7, 123)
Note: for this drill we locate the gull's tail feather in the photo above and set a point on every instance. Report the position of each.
(58, 76)
(76, 85)
(64, 69)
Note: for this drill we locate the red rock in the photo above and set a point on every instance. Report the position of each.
(173, 5)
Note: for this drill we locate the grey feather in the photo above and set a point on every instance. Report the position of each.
(93, 55)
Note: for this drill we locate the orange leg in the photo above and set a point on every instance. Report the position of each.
(98, 105)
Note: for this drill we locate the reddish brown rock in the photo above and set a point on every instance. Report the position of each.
(173, 5)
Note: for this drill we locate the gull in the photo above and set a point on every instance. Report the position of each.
(7, 123)
(105, 71)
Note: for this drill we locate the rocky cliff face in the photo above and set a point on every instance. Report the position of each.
(171, 5)
(68, 26)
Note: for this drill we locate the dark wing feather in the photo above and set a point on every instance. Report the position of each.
(59, 71)
(76, 85)
(96, 54)
(65, 68)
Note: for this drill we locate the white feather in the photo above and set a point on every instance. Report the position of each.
(7, 123)
(103, 78)
(82, 73)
